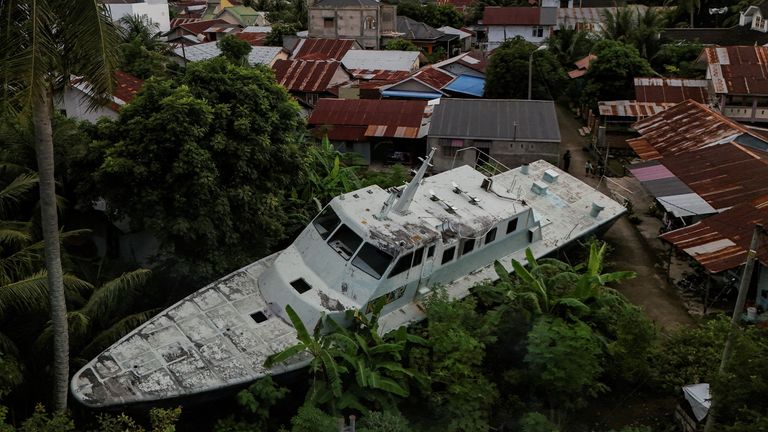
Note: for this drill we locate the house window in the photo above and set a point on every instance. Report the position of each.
(328, 22)
(370, 23)
(537, 31)
(758, 21)
(450, 151)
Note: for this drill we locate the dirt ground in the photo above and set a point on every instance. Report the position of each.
(636, 248)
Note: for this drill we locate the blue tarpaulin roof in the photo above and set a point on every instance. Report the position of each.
(468, 85)
(411, 94)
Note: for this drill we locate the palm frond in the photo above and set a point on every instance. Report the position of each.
(16, 189)
(115, 294)
(8, 346)
(31, 293)
(14, 234)
(91, 39)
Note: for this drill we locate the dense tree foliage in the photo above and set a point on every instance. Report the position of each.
(507, 73)
(399, 44)
(432, 14)
(234, 49)
(678, 59)
(141, 52)
(224, 142)
(611, 75)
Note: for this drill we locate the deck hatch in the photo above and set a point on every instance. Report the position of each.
(301, 286)
(259, 316)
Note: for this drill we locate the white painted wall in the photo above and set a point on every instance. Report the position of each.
(498, 34)
(74, 106)
(156, 10)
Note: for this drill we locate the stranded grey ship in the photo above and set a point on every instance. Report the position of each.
(399, 244)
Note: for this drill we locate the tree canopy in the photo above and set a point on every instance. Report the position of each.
(611, 76)
(205, 164)
(507, 73)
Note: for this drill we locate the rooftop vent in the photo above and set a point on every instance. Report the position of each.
(539, 188)
(596, 209)
(487, 184)
(524, 169)
(550, 176)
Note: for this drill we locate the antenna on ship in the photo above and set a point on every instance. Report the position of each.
(402, 204)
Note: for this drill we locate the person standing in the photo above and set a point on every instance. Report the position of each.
(566, 160)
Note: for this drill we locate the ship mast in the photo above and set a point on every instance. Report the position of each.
(402, 204)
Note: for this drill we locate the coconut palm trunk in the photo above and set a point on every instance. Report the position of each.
(50, 227)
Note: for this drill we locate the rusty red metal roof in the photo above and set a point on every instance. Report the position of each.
(309, 76)
(126, 86)
(434, 77)
(670, 90)
(198, 27)
(724, 175)
(380, 75)
(686, 126)
(253, 38)
(380, 118)
(740, 70)
(627, 108)
(720, 242)
(322, 49)
(496, 15)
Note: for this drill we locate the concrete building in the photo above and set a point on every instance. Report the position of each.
(363, 20)
(156, 10)
(533, 24)
(75, 100)
(512, 132)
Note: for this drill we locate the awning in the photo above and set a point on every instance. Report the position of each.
(409, 94)
(674, 195)
(468, 85)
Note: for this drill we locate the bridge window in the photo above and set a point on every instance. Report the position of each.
(418, 255)
(403, 264)
(491, 236)
(345, 242)
(448, 254)
(512, 225)
(326, 222)
(468, 246)
(372, 260)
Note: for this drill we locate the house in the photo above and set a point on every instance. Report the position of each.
(425, 37)
(466, 86)
(184, 32)
(464, 42)
(755, 17)
(382, 60)
(590, 18)
(363, 20)
(368, 83)
(534, 24)
(243, 16)
(512, 132)
(253, 38)
(155, 10)
(323, 49)
(264, 55)
(376, 129)
(464, 64)
(671, 90)
(309, 80)
(74, 101)
(738, 77)
(582, 66)
(424, 84)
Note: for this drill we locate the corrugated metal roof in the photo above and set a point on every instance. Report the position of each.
(468, 85)
(434, 77)
(741, 70)
(670, 90)
(311, 76)
(671, 192)
(686, 126)
(507, 119)
(322, 49)
(720, 242)
(126, 86)
(381, 118)
(381, 60)
(724, 175)
(258, 55)
(626, 108)
(253, 39)
(379, 75)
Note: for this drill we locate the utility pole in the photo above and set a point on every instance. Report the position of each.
(746, 278)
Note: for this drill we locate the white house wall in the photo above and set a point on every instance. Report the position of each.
(498, 34)
(75, 106)
(156, 10)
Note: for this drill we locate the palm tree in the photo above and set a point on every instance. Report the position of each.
(646, 34)
(620, 25)
(691, 6)
(569, 45)
(141, 28)
(44, 42)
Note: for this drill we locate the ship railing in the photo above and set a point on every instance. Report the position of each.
(483, 162)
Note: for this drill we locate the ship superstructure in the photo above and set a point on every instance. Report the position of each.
(366, 245)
